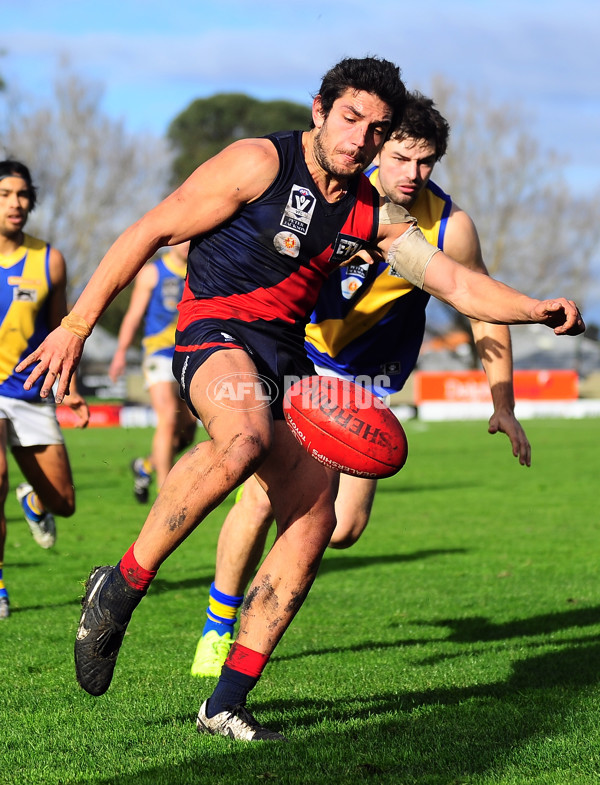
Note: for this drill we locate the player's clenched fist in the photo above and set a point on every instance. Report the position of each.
(560, 314)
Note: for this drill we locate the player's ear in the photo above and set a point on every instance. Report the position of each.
(318, 115)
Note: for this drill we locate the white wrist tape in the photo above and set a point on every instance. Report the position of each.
(410, 254)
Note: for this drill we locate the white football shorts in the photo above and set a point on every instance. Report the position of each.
(30, 424)
(157, 368)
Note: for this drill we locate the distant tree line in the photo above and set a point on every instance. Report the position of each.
(210, 124)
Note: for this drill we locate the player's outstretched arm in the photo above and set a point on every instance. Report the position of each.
(472, 293)
(481, 297)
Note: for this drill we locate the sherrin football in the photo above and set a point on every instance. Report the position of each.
(344, 426)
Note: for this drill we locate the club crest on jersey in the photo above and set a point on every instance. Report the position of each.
(299, 210)
(287, 243)
(22, 294)
(353, 277)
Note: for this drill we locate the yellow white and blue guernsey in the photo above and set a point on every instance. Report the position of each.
(24, 289)
(369, 323)
(161, 314)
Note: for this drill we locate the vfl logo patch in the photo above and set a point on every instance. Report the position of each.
(287, 244)
(299, 210)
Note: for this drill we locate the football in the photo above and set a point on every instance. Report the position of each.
(344, 426)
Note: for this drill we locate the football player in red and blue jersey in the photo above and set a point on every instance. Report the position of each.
(268, 219)
(368, 325)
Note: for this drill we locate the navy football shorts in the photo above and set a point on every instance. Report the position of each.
(277, 352)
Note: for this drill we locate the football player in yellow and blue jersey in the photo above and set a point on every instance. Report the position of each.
(32, 303)
(368, 325)
(156, 292)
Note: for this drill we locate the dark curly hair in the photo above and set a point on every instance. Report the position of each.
(17, 169)
(371, 74)
(421, 120)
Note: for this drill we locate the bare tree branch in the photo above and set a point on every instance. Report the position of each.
(94, 178)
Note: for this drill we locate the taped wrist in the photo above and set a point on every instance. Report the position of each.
(77, 325)
(410, 254)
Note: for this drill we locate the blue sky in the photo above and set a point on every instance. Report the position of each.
(152, 58)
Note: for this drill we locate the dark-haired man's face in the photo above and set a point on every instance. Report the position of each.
(348, 139)
(405, 168)
(15, 204)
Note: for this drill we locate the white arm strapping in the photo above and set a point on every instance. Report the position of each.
(410, 254)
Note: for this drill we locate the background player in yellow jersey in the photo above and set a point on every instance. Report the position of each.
(369, 323)
(157, 290)
(32, 303)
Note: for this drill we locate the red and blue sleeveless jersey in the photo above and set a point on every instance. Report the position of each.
(268, 262)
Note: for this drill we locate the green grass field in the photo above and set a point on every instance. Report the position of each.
(457, 642)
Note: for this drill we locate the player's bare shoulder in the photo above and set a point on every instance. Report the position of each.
(148, 275)
(235, 176)
(459, 220)
(57, 267)
(253, 163)
(461, 241)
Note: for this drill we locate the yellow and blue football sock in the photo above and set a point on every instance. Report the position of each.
(143, 467)
(221, 613)
(32, 507)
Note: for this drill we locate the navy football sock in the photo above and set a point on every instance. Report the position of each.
(232, 690)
